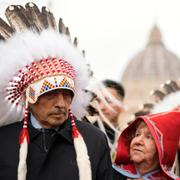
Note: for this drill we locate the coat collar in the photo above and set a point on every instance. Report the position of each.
(131, 172)
(64, 130)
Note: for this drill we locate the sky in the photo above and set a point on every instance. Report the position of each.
(112, 32)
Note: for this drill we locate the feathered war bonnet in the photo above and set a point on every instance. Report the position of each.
(36, 58)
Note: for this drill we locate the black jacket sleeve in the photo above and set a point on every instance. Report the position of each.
(104, 170)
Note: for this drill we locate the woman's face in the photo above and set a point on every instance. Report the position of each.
(143, 148)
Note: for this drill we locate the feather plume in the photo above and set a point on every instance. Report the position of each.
(140, 113)
(62, 28)
(48, 18)
(35, 16)
(167, 88)
(75, 42)
(145, 109)
(165, 100)
(68, 33)
(17, 19)
(173, 85)
(147, 106)
(5, 30)
(83, 53)
(158, 95)
(2, 38)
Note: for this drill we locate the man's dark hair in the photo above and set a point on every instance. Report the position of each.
(115, 85)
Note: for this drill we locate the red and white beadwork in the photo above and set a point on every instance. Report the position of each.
(40, 77)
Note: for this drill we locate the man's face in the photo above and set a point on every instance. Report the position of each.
(112, 110)
(143, 148)
(52, 108)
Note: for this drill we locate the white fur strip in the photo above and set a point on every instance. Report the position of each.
(22, 167)
(82, 159)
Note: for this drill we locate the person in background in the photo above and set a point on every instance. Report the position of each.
(43, 77)
(113, 107)
(105, 108)
(147, 147)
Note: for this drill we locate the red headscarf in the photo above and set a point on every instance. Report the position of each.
(165, 129)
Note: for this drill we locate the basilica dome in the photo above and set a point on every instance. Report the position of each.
(147, 70)
(154, 62)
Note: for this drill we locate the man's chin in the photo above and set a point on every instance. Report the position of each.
(56, 123)
(56, 120)
(58, 117)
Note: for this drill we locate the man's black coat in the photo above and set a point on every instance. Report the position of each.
(51, 155)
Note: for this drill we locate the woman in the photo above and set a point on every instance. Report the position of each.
(147, 147)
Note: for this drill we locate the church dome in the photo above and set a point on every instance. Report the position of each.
(147, 70)
(154, 62)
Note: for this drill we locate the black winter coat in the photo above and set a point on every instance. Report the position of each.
(118, 176)
(51, 155)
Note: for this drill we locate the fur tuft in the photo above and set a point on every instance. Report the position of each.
(82, 157)
(22, 167)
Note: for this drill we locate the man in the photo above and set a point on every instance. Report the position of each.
(114, 107)
(105, 109)
(41, 79)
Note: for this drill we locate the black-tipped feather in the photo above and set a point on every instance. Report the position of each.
(167, 88)
(158, 95)
(30, 18)
(2, 38)
(35, 16)
(173, 85)
(5, 30)
(83, 53)
(48, 18)
(148, 106)
(75, 42)
(141, 113)
(17, 19)
(62, 28)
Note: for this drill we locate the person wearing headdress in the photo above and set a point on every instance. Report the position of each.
(43, 77)
(105, 108)
(147, 147)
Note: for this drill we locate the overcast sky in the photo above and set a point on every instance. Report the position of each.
(113, 31)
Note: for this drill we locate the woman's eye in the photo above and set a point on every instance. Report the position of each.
(149, 136)
(137, 134)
